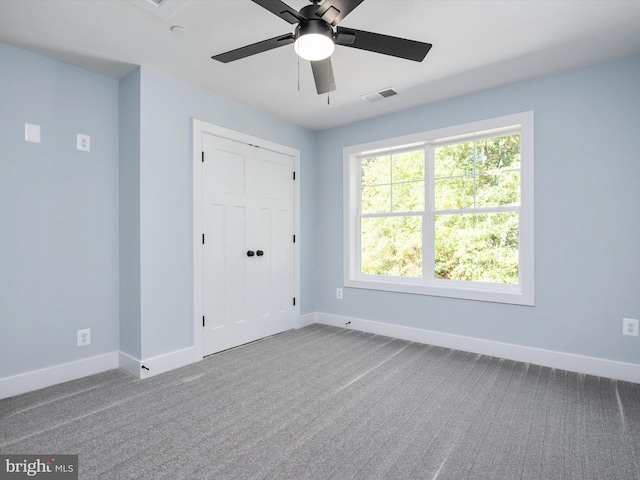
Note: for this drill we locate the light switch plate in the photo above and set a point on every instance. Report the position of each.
(32, 132)
(84, 142)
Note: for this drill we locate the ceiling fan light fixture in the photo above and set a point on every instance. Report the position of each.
(314, 47)
(314, 41)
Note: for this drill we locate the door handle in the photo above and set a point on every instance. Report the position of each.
(250, 253)
(260, 253)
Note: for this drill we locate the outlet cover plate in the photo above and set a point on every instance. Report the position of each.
(630, 327)
(84, 143)
(84, 337)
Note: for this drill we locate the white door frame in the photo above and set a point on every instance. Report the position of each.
(200, 128)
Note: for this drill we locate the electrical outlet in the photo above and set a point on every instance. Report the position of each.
(84, 337)
(83, 142)
(630, 326)
(339, 293)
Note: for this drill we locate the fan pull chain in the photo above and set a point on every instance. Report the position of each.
(298, 72)
(328, 99)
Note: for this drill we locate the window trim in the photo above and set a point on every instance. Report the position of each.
(521, 294)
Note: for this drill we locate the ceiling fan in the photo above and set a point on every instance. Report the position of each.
(315, 38)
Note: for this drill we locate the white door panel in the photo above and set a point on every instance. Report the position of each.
(247, 206)
(229, 169)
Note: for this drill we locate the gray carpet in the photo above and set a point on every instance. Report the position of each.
(329, 403)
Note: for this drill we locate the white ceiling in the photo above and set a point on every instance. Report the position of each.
(477, 44)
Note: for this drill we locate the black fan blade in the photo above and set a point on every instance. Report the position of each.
(323, 75)
(282, 10)
(333, 11)
(254, 48)
(385, 44)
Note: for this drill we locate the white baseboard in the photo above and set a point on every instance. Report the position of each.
(600, 367)
(150, 367)
(26, 382)
(129, 364)
(306, 320)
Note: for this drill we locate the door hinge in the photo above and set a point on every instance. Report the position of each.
(203, 156)
(203, 320)
(294, 239)
(294, 301)
(294, 175)
(203, 238)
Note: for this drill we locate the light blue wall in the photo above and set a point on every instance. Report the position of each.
(58, 213)
(587, 216)
(73, 224)
(129, 215)
(103, 240)
(166, 198)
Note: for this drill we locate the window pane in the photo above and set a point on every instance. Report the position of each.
(376, 199)
(376, 170)
(391, 246)
(454, 160)
(482, 247)
(498, 153)
(408, 197)
(408, 166)
(453, 193)
(498, 190)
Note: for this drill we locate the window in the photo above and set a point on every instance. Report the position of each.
(446, 212)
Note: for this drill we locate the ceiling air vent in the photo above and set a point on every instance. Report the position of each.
(160, 8)
(379, 95)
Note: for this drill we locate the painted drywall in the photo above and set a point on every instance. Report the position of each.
(587, 216)
(58, 213)
(129, 214)
(64, 213)
(102, 240)
(166, 228)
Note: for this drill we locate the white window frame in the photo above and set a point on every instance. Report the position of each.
(520, 294)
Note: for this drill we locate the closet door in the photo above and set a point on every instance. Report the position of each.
(274, 267)
(247, 250)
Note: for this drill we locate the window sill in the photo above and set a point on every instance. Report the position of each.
(483, 292)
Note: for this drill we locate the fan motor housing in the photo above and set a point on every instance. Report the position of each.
(314, 26)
